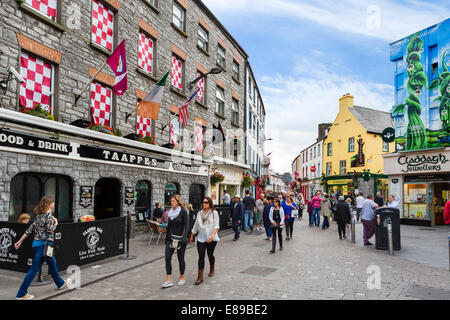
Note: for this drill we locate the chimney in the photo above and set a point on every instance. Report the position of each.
(346, 101)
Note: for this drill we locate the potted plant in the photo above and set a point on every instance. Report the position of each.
(40, 112)
(246, 181)
(101, 128)
(147, 139)
(216, 178)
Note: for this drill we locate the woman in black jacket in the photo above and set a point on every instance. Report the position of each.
(342, 216)
(176, 238)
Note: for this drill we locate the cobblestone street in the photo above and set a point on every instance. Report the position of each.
(314, 265)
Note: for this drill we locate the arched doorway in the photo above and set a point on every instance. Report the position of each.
(143, 200)
(107, 198)
(196, 195)
(170, 189)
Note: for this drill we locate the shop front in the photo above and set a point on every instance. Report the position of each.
(420, 183)
(233, 175)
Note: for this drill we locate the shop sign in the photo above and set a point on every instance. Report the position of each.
(422, 162)
(129, 196)
(22, 141)
(338, 182)
(86, 196)
(428, 178)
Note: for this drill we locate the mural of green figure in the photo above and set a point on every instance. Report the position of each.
(415, 131)
(444, 98)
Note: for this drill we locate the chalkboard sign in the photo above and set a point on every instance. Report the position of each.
(86, 196)
(129, 196)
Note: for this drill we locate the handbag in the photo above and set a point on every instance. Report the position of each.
(48, 251)
(294, 213)
(176, 242)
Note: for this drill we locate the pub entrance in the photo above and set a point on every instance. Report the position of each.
(107, 198)
(196, 195)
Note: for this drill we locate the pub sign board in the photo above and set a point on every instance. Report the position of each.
(86, 196)
(129, 196)
(76, 243)
(17, 140)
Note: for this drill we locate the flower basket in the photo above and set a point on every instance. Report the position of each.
(147, 139)
(216, 178)
(101, 128)
(38, 111)
(246, 181)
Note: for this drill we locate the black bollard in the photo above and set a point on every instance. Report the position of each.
(127, 256)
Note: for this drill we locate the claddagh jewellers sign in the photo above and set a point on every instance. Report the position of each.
(422, 163)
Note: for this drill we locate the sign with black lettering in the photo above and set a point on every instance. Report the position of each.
(129, 196)
(23, 141)
(86, 196)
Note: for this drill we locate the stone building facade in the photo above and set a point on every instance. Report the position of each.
(68, 40)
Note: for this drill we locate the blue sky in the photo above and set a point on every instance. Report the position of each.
(305, 55)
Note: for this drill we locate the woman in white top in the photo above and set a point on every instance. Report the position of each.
(206, 227)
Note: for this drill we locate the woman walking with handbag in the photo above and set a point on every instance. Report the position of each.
(276, 217)
(176, 238)
(43, 228)
(289, 206)
(207, 227)
(301, 205)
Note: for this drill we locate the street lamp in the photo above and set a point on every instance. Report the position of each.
(212, 71)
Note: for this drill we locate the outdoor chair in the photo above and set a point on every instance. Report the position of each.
(156, 229)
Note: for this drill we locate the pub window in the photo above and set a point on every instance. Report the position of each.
(102, 32)
(177, 73)
(201, 84)
(203, 38)
(221, 56)
(179, 16)
(143, 200)
(329, 168)
(146, 56)
(235, 70)
(47, 8)
(27, 189)
(343, 167)
(220, 101)
(176, 134)
(385, 147)
(101, 104)
(235, 111)
(351, 144)
(170, 189)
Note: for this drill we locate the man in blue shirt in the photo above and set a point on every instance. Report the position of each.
(368, 219)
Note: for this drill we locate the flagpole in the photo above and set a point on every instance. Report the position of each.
(92, 79)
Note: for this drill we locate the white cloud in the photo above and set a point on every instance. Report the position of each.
(297, 103)
(353, 16)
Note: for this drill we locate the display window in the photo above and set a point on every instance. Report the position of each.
(415, 206)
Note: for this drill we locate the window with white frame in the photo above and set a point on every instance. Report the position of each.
(220, 101)
(175, 131)
(235, 111)
(235, 70)
(102, 25)
(385, 147)
(221, 56)
(178, 16)
(38, 88)
(101, 104)
(203, 38)
(351, 144)
(342, 167)
(329, 168)
(177, 73)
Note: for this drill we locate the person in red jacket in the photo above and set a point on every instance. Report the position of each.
(447, 213)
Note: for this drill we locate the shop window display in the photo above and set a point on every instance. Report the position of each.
(415, 197)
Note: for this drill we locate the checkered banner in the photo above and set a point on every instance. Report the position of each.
(46, 7)
(102, 25)
(143, 126)
(101, 101)
(201, 86)
(176, 73)
(198, 138)
(38, 82)
(145, 52)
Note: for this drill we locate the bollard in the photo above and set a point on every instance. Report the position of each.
(390, 241)
(127, 256)
(353, 231)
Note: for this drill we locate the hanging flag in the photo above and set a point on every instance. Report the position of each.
(183, 115)
(149, 106)
(218, 135)
(118, 63)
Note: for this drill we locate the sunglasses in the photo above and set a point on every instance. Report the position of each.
(206, 202)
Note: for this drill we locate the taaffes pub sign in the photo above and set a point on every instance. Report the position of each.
(422, 162)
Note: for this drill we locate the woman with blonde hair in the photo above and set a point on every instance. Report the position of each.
(24, 218)
(43, 227)
(176, 238)
(206, 226)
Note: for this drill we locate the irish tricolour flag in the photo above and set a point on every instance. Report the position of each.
(149, 106)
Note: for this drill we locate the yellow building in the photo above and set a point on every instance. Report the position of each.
(353, 149)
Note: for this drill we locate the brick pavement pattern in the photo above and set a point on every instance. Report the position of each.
(315, 264)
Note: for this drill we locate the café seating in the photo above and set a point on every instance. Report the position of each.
(155, 229)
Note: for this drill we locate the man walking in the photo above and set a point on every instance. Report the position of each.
(226, 198)
(249, 210)
(260, 209)
(316, 205)
(359, 203)
(368, 219)
(237, 214)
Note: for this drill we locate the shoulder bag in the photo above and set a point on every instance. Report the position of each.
(48, 248)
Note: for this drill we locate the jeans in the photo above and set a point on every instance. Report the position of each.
(341, 229)
(35, 267)
(203, 247)
(235, 226)
(269, 232)
(180, 254)
(325, 223)
(358, 213)
(248, 215)
(315, 219)
(289, 227)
